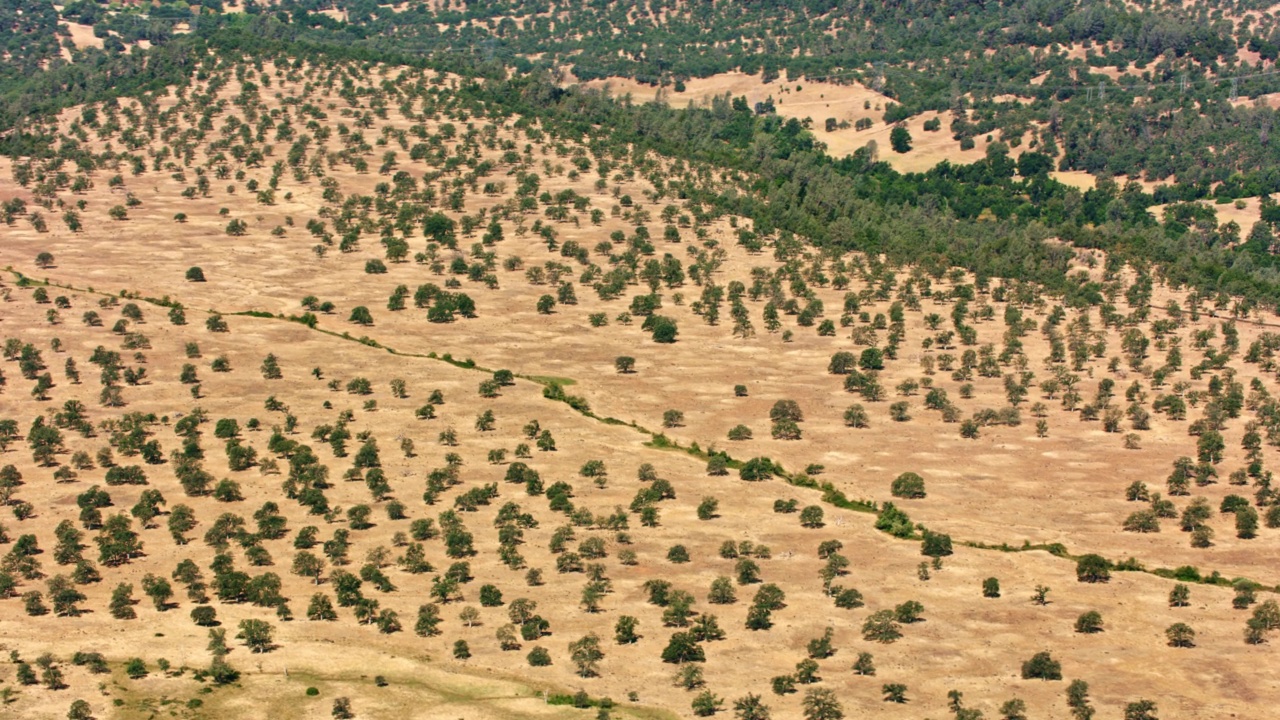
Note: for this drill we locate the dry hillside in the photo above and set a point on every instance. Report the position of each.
(429, 337)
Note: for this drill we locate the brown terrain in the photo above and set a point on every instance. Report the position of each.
(1012, 485)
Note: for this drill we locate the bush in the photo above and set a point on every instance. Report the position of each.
(1089, 622)
(135, 668)
(991, 588)
(539, 657)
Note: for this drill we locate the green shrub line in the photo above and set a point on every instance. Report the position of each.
(553, 389)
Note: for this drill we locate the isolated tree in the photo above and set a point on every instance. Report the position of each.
(158, 589)
(1042, 666)
(624, 631)
(908, 485)
(204, 616)
(881, 626)
(708, 508)
(1014, 709)
(856, 416)
(811, 517)
(135, 668)
(900, 139)
(271, 367)
(428, 622)
(1180, 635)
(683, 647)
(991, 587)
(624, 364)
(706, 704)
(586, 655)
(195, 274)
(1140, 710)
(722, 592)
(360, 315)
(256, 635)
(663, 329)
(1089, 622)
(821, 704)
(461, 650)
(117, 542)
(80, 710)
(751, 707)
(64, 596)
(539, 657)
(821, 648)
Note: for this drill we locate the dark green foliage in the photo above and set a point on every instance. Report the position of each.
(908, 485)
(1093, 568)
(1042, 666)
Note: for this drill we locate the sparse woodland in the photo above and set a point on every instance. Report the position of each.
(306, 357)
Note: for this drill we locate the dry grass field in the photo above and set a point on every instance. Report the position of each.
(846, 101)
(1046, 479)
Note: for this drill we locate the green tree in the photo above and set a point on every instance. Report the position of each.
(811, 517)
(1140, 710)
(586, 655)
(663, 329)
(750, 707)
(1089, 622)
(991, 588)
(894, 692)
(360, 315)
(1093, 569)
(1180, 635)
(683, 647)
(1042, 666)
(256, 635)
(539, 657)
(900, 139)
(706, 704)
(908, 485)
(881, 626)
(624, 631)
